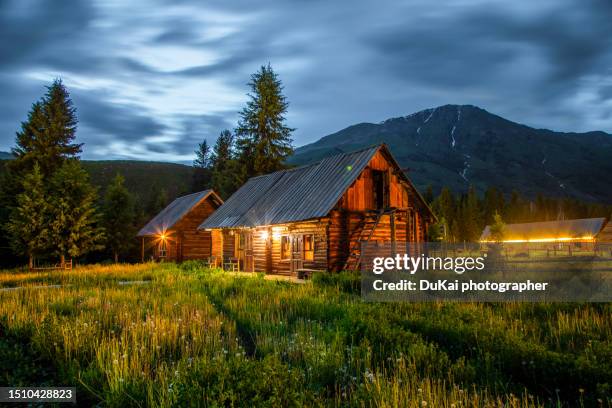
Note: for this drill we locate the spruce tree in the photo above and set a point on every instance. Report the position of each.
(47, 137)
(118, 217)
(227, 173)
(74, 229)
(202, 172)
(264, 140)
(497, 228)
(28, 226)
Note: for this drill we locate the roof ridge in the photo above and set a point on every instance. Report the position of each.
(316, 163)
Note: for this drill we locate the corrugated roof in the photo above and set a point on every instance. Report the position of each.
(585, 227)
(176, 210)
(298, 194)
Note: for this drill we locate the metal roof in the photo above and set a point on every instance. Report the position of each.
(585, 227)
(173, 213)
(297, 194)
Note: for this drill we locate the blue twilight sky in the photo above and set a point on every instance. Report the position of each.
(152, 79)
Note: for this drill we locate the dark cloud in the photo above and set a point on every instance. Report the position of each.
(115, 120)
(152, 80)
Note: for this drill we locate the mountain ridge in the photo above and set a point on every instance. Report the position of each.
(462, 145)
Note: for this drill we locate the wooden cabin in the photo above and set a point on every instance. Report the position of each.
(173, 234)
(316, 216)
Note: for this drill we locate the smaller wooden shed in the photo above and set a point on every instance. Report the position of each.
(173, 234)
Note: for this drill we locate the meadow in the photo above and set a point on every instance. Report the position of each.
(181, 335)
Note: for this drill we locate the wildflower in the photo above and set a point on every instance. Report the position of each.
(423, 403)
(115, 361)
(420, 390)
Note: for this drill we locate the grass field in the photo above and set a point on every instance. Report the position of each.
(167, 335)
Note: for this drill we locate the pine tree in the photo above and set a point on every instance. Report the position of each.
(202, 172)
(445, 208)
(28, 226)
(118, 216)
(74, 229)
(472, 227)
(158, 200)
(227, 173)
(493, 202)
(47, 137)
(264, 141)
(497, 228)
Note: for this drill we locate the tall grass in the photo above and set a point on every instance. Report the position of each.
(194, 337)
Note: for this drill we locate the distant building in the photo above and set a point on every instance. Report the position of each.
(316, 216)
(173, 234)
(581, 230)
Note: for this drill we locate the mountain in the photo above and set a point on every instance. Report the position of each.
(5, 156)
(461, 145)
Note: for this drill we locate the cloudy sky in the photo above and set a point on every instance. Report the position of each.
(152, 79)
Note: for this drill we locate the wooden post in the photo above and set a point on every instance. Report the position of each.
(142, 251)
(393, 236)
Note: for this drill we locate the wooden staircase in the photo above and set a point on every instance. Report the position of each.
(363, 233)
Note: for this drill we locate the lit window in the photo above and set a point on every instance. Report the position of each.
(308, 247)
(285, 247)
(162, 249)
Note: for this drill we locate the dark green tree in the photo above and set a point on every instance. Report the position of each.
(28, 226)
(493, 202)
(118, 217)
(158, 200)
(470, 217)
(227, 173)
(74, 220)
(202, 171)
(445, 207)
(263, 139)
(47, 137)
(497, 228)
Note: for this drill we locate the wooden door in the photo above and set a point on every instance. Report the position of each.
(297, 256)
(249, 264)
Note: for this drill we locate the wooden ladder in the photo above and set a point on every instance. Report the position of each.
(362, 234)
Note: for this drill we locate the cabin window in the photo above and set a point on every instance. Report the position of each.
(285, 247)
(241, 239)
(163, 249)
(308, 253)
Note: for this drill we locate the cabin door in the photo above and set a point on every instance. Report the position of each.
(247, 244)
(297, 256)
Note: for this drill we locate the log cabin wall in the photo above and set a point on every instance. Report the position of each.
(192, 243)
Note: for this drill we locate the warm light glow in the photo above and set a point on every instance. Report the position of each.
(264, 234)
(561, 239)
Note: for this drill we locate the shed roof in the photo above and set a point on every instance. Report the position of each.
(580, 228)
(297, 194)
(176, 210)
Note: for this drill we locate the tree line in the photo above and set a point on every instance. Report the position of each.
(50, 210)
(463, 216)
